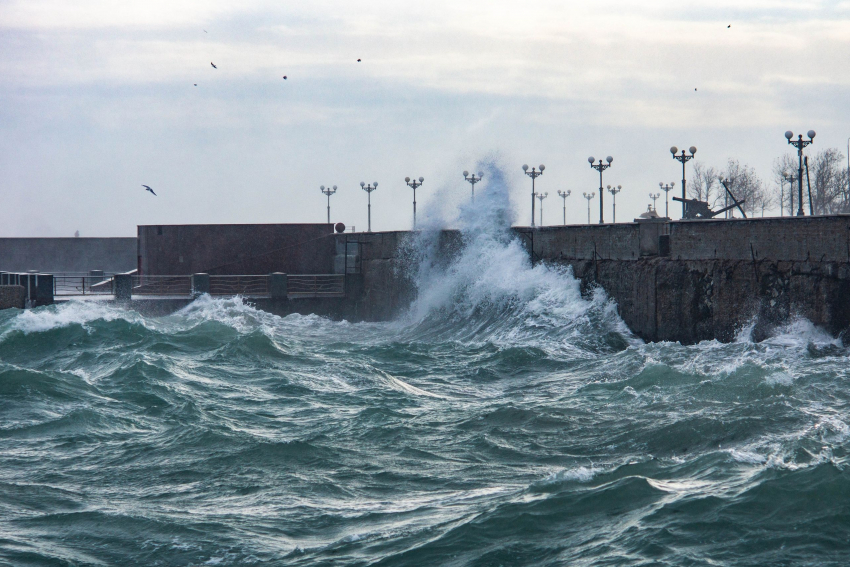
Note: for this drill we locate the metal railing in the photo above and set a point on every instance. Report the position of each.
(316, 285)
(71, 284)
(162, 285)
(239, 285)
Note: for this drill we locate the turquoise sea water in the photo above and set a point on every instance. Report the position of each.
(506, 420)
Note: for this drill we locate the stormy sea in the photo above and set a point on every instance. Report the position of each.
(504, 419)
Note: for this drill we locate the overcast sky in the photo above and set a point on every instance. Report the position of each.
(97, 97)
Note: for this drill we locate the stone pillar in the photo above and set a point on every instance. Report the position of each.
(278, 286)
(200, 284)
(122, 286)
(43, 289)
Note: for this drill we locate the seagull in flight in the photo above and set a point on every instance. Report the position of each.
(149, 189)
(284, 77)
(358, 60)
(213, 65)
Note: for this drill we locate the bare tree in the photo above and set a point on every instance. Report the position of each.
(703, 185)
(828, 182)
(785, 192)
(746, 186)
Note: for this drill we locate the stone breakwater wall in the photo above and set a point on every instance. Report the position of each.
(681, 281)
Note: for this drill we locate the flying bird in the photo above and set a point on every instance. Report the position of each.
(358, 60)
(284, 77)
(213, 65)
(149, 189)
(205, 31)
(196, 84)
(729, 26)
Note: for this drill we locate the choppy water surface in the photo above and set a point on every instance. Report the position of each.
(505, 421)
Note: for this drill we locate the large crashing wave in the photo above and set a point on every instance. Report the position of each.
(490, 291)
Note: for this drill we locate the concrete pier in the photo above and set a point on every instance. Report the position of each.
(683, 281)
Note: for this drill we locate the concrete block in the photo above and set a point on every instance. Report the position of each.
(200, 284)
(122, 286)
(43, 289)
(12, 296)
(278, 286)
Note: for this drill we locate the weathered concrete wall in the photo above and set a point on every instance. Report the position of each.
(719, 276)
(818, 239)
(385, 263)
(12, 296)
(236, 249)
(54, 255)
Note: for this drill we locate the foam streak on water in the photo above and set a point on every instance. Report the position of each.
(505, 420)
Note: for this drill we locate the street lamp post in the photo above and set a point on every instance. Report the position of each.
(413, 185)
(588, 196)
(667, 187)
(369, 189)
(540, 197)
(472, 181)
(800, 143)
(614, 191)
(654, 197)
(684, 158)
(563, 195)
(329, 191)
(600, 167)
(533, 174)
(790, 178)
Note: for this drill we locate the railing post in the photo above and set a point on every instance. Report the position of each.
(122, 286)
(278, 286)
(200, 284)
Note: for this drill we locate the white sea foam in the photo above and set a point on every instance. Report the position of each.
(578, 474)
(491, 288)
(69, 313)
(746, 456)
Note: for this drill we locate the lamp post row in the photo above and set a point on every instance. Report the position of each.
(684, 157)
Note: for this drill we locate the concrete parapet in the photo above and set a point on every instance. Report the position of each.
(12, 296)
(200, 284)
(43, 289)
(122, 285)
(278, 286)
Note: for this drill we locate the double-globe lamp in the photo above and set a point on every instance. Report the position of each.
(800, 143)
(413, 185)
(533, 174)
(684, 158)
(369, 189)
(600, 167)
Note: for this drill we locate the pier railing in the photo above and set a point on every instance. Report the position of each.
(129, 285)
(82, 284)
(253, 286)
(162, 285)
(316, 285)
